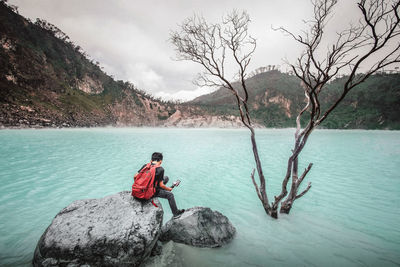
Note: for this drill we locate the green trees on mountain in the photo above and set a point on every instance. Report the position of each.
(366, 107)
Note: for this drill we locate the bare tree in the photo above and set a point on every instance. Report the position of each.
(375, 37)
(212, 46)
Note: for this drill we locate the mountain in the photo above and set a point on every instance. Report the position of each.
(48, 81)
(276, 98)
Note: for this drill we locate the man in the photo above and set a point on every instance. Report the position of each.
(162, 190)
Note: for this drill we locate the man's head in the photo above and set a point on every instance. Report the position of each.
(157, 156)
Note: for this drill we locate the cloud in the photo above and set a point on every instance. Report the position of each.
(184, 95)
(130, 38)
(145, 77)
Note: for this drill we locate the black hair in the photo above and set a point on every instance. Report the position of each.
(157, 156)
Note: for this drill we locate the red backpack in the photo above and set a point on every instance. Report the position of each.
(143, 187)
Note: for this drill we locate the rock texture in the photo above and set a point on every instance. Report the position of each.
(204, 121)
(112, 231)
(199, 227)
(170, 256)
(188, 120)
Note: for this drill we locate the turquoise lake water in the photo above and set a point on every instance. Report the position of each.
(350, 217)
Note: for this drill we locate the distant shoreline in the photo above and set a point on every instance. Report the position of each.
(185, 128)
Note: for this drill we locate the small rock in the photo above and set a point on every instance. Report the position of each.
(199, 227)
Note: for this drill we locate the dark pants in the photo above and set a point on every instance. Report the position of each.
(167, 195)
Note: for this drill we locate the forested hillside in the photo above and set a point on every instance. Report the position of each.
(276, 98)
(46, 80)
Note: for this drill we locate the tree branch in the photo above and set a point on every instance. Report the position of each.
(304, 192)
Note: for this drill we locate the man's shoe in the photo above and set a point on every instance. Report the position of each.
(178, 214)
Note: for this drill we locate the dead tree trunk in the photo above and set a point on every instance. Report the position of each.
(378, 31)
(210, 45)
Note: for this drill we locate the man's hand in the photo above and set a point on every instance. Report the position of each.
(163, 186)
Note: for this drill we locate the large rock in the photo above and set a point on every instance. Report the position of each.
(116, 230)
(199, 227)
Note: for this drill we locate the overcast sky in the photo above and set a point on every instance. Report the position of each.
(130, 37)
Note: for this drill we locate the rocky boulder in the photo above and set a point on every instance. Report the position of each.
(116, 230)
(199, 227)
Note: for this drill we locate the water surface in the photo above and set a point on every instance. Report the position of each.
(350, 217)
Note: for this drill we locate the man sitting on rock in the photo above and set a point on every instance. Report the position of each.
(160, 180)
